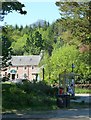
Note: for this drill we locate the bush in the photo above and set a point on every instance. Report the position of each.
(30, 95)
(5, 79)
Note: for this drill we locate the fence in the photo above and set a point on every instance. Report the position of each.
(83, 86)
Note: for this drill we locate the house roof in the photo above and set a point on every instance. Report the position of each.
(25, 60)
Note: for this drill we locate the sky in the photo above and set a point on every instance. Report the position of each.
(36, 10)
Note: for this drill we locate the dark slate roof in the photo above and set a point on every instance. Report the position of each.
(25, 60)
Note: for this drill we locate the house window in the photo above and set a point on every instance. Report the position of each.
(25, 67)
(5, 73)
(32, 67)
(25, 75)
(17, 75)
(9, 75)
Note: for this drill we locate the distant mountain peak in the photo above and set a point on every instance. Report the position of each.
(39, 22)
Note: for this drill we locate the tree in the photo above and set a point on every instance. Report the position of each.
(7, 7)
(76, 21)
(34, 43)
(6, 43)
(18, 47)
(74, 17)
(62, 59)
(48, 37)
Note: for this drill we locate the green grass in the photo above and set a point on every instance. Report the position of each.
(82, 90)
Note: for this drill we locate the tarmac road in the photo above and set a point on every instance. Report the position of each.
(53, 118)
(47, 119)
(70, 114)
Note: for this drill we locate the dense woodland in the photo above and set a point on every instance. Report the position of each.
(64, 42)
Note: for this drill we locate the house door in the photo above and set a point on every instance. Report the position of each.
(13, 76)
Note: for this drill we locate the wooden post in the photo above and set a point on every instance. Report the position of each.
(43, 73)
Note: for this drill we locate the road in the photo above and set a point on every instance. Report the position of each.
(49, 119)
(70, 114)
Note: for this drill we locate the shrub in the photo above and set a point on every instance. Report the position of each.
(28, 95)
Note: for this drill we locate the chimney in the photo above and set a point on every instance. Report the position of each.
(41, 53)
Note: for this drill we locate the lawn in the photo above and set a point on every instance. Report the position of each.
(82, 90)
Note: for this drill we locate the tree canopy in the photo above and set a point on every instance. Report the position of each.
(9, 6)
(5, 8)
(75, 18)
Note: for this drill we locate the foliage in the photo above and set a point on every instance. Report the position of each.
(19, 45)
(28, 95)
(71, 30)
(75, 18)
(10, 6)
(7, 7)
(5, 79)
(34, 44)
(6, 43)
(62, 60)
(34, 96)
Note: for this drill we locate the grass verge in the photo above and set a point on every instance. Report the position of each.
(82, 91)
